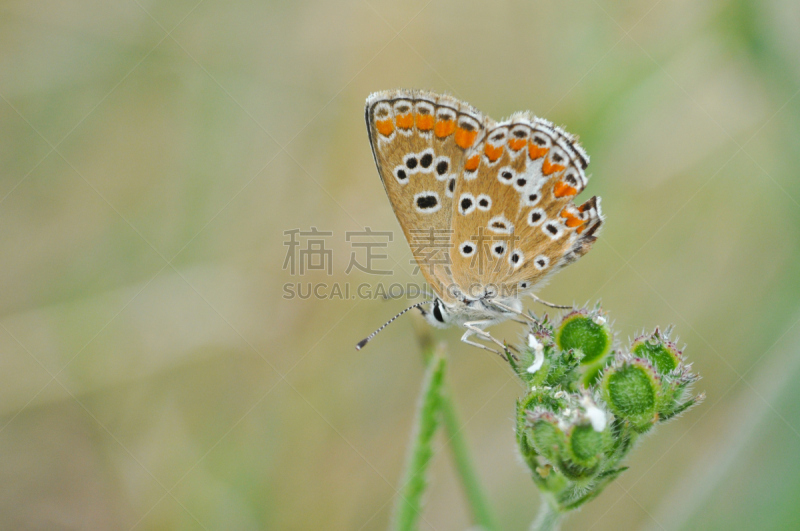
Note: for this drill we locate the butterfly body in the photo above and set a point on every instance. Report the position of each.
(486, 206)
(443, 315)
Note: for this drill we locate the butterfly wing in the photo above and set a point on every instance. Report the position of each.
(514, 219)
(419, 141)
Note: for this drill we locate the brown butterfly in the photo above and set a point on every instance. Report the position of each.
(486, 207)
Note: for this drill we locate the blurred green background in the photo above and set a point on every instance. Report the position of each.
(152, 154)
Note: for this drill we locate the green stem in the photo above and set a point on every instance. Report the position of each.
(409, 501)
(548, 519)
(469, 478)
(476, 498)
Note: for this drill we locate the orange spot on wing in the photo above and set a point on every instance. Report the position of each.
(535, 151)
(493, 153)
(516, 143)
(405, 121)
(562, 189)
(572, 219)
(548, 168)
(581, 229)
(574, 222)
(384, 127)
(465, 138)
(444, 128)
(472, 163)
(424, 122)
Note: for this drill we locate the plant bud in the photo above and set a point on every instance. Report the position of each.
(631, 389)
(579, 330)
(545, 434)
(664, 355)
(586, 445)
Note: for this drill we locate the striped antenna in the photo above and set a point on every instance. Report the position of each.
(364, 341)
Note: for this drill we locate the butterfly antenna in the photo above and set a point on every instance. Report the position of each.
(364, 341)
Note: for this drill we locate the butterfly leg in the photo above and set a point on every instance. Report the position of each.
(474, 328)
(528, 318)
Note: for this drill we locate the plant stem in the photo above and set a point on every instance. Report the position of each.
(476, 498)
(469, 479)
(408, 507)
(548, 519)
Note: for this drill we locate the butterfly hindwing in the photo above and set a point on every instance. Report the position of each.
(514, 220)
(419, 141)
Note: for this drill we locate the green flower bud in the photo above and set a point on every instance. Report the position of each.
(545, 435)
(587, 403)
(631, 388)
(589, 333)
(664, 355)
(585, 445)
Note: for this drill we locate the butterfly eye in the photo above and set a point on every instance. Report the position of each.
(541, 140)
(531, 198)
(499, 249)
(467, 249)
(536, 217)
(467, 124)
(402, 107)
(570, 179)
(518, 138)
(516, 258)
(501, 225)
(466, 204)
(441, 165)
(382, 111)
(401, 175)
(553, 230)
(506, 175)
(445, 122)
(451, 187)
(541, 262)
(426, 161)
(427, 202)
(424, 111)
(498, 137)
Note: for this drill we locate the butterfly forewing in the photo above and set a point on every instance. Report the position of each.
(514, 221)
(419, 141)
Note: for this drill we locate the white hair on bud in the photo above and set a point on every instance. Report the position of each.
(596, 415)
(538, 349)
(599, 320)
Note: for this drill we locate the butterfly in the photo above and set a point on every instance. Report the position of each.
(486, 206)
